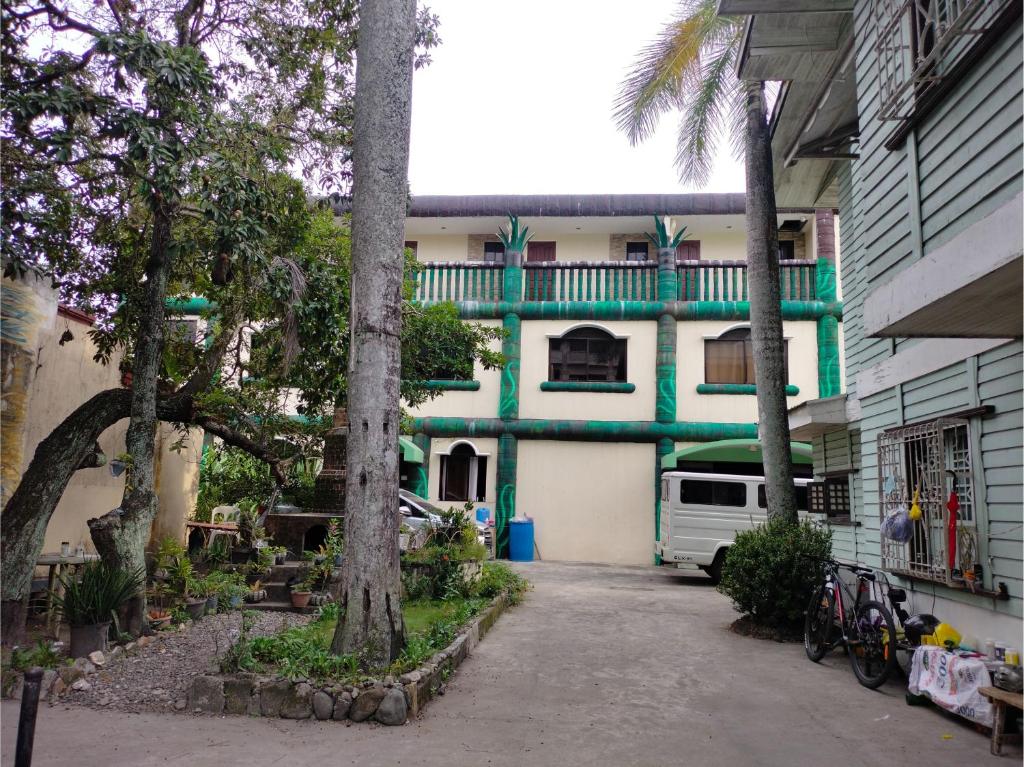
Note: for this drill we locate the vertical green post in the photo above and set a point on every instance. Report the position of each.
(825, 288)
(505, 509)
(665, 370)
(421, 480)
(508, 397)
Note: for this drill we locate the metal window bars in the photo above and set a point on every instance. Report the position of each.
(932, 459)
(917, 42)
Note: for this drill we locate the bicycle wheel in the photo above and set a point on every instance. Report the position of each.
(818, 624)
(872, 644)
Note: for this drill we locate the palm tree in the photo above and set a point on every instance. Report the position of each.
(371, 625)
(690, 68)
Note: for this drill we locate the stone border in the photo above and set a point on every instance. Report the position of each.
(388, 701)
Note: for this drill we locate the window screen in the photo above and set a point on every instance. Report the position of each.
(704, 492)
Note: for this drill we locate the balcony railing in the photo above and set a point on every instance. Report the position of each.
(727, 280)
(459, 281)
(590, 281)
(606, 281)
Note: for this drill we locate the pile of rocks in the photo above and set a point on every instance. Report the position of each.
(75, 676)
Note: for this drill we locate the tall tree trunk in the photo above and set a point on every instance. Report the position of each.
(120, 536)
(766, 310)
(371, 621)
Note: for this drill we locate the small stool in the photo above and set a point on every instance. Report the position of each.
(1000, 700)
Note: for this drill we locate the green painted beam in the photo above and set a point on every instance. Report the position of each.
(791, 391)
(444, 385)
(663, 448)
(584, 431)
(189, 305)
(639, 310)
(616, 387)
(665, 370)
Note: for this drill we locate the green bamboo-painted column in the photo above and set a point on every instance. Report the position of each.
(514, 239)
(505, 508)
(421, 478)
(825, 290)
(665, 359)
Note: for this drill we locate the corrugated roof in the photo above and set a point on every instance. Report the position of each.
(569, 205)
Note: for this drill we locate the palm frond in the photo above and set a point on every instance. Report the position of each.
(705, 111)
(657, 82)
(514, 239)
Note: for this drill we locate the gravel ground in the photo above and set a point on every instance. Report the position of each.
(155, 677)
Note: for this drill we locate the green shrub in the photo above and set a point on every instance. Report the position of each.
(497, 577)
(769, 571)
(96, 592)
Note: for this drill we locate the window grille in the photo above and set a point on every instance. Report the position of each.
(933, 459)
(918, 42)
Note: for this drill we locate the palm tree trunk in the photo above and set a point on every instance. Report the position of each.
(371, 623)
(766, 310)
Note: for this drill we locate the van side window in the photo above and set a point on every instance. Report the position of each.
(801, 497)
(704, 492)
(664, 490)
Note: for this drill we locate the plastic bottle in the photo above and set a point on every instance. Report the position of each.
(990, 648)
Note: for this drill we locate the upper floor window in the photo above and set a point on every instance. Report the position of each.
(494, 252)
(729, 359)
(587, 354)
(637, 251)
(413, 246)
(787, 250)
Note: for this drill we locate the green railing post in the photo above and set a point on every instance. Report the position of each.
(829, 383)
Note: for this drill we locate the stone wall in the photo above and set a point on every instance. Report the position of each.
(617, 246)
(389, 701)
(475, 250)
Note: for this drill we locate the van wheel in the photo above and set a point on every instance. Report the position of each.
(714, 570)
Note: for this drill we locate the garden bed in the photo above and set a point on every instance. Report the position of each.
(388, 700)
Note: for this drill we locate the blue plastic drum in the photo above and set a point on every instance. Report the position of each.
(520, 540)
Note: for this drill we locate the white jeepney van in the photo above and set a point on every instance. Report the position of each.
(701, 514)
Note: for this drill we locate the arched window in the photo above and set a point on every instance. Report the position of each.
(729, 359)
(463, 475)
(587, 354)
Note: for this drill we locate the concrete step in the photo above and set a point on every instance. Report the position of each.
(280, 607)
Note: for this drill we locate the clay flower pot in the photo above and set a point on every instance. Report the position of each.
(196, 608)
(301, 599)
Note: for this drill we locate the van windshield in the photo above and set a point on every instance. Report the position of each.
(706, 492)
(801, 497)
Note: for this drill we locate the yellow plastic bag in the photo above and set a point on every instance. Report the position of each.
(945, 633)
(915, 507)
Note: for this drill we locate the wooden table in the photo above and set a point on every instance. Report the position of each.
(1000, 700)
(56, 564)
(208, 528)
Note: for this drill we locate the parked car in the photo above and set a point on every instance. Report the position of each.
(418, 513)
(701, 514)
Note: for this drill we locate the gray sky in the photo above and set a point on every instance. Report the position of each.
(518, 100)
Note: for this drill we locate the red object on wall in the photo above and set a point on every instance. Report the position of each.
(953, 506)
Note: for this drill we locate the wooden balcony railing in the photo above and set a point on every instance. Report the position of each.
(459, 281)
(590, 281)
(727, 280)
(606, 281)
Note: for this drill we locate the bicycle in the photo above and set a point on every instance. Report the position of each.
(865, 626)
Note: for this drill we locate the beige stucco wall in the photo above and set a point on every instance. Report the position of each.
(590, 501)
(66, 376)
(178, 481)
(482, 403)
(641, 348)
(731, 408)
(484, 446)
(451, 247)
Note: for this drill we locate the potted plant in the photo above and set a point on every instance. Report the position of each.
(280, 554)
(90, 600)
(159, 617)
(335, 541)
(301, 593)
(195, 598)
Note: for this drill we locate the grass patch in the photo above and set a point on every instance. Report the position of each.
(305, 651)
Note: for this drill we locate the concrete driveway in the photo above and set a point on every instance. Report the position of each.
(600, 665)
